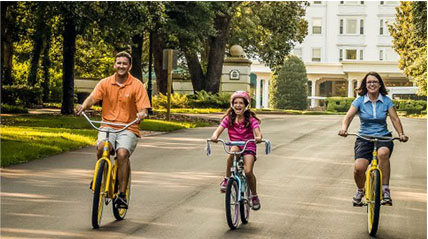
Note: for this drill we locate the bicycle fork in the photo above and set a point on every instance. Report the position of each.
(374, 166)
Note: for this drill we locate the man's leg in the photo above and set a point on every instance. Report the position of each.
(123, 168)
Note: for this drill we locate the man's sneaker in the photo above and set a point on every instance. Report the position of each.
(256, 202)
(120, 201)
(356, 199)
(386, 197)
(223, 185)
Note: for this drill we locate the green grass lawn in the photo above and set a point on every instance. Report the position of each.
(29, 137)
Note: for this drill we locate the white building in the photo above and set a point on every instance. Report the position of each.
(347, 39)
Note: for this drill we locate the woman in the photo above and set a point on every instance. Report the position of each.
(372, 106)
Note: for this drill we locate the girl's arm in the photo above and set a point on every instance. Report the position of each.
(397, 124)
(347, 120)
(217, 133)
(258, 135)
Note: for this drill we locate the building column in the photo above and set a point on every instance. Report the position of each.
(265, 102)
(313, 92)
(258, 93)
(333, 88)
(350, 88)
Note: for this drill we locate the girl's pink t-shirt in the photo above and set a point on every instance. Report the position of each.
(238, 132)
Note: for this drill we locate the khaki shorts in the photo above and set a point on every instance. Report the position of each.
(125, 139)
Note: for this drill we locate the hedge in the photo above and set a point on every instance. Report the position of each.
(21, 95)
(338, 104)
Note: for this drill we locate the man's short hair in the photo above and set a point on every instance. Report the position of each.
(123, 54)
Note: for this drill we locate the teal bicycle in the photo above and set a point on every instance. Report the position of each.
(238, 193)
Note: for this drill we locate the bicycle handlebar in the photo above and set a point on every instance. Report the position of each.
(125, 126)
(373, 138)
(237, 143)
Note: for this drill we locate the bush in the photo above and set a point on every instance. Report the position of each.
(411, 106)
(289, 87)
(12, 109)
(339, 104)
(160, 101)
(203, 99)
(21, 95)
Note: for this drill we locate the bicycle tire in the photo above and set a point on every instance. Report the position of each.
(244, 207)
(373, 205)
(120, 213)
(99, 195)
(232, 204)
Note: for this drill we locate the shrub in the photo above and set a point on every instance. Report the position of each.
(160, 101)
(289, 86)
(339, 104)
(21, 95)
(411, 106)
(203, 99)
(13, 109)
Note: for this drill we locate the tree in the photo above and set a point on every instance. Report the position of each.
(410, 42)
(288, 89)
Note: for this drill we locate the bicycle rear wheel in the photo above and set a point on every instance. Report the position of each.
(244, 206)
(373, 204)
(120, 213)
(232, 204)
(99, 194)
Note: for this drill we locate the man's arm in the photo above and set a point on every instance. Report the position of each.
(86, 105)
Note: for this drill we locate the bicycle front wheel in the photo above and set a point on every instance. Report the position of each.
(232, 204)
(119, 213)
(373, 203)
(245, 206)
(99, 194)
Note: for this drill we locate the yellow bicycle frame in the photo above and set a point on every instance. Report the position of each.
(109, 185)
(374, 166)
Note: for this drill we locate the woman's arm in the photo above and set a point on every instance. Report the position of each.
(397, 124)
(347, 120)
(217, 133)
(258, 135)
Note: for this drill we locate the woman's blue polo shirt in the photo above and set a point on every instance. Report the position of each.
(373, 114)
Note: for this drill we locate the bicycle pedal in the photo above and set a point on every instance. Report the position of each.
(358, 204)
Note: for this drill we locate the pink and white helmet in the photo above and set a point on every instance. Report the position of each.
(240, 94)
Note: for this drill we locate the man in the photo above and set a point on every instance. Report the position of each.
(123, 99)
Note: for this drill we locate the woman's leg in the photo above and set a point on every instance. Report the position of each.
(360, 168)
(248, 169)
(383, 155)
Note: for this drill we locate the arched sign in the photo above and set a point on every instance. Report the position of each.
(234, 75)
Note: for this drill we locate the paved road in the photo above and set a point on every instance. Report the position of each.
(305, 187)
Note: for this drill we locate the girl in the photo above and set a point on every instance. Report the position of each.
(242, 125)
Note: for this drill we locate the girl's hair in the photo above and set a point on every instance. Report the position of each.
(247, 114)
(363, 87)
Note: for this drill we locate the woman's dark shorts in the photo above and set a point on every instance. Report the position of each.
(364, 148)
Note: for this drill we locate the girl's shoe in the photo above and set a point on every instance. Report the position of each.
(256, 202)
(223, 185)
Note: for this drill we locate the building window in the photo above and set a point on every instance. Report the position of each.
(351, 26)
(381, 2)
(361, 27)
(298, 52)
(341, 2)
(340, 55)
(381, 27)
(341, 26)
(362, 2)
(361, 55)
(380, 55)
(351, 54)
(317, 2)
(316, 26)
(316, 54)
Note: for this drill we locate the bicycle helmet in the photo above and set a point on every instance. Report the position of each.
(240, 94)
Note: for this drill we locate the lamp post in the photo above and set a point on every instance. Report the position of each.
(149, 82)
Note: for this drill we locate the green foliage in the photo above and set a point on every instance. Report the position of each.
(339, 104)
(13, 109)
(410, 41)
(191, 111)
(21, 95)
(160, 101)
(203, 99)
(411, 106)
(288, 89)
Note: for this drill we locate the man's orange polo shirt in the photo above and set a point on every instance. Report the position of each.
(121, 103)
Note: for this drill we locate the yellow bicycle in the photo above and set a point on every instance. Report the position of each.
(105, 182)
(373, 185)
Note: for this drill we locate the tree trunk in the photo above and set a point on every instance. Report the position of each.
(137, 53)
(161, 75)
(46, 63)
(69, 49)
(195, 70)
(6, 46)
(216, 54)
(35, 54)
